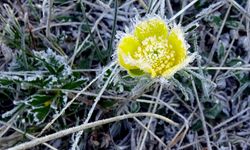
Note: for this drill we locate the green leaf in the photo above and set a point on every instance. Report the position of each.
(6, 81)
(39, 82)
(40, 100)
(60, 69)
(136, 72)
(41, 113)
(107, 104)
(74, 84)
(192, 28)
(217, 20)
(234, 61)
(50, 68)
(233, 24)
(213, 112)
(84, 63)
(243, 78)
(197, 125)
(221, 51)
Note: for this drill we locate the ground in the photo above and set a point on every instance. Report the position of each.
(59, 76)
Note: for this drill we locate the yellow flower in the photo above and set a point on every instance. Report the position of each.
(154, 49)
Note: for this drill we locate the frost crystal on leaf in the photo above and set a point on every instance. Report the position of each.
(45, 70)
(51, 57)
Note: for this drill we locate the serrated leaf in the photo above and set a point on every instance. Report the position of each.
(50, 68)
(60, 69)
(39, 82)
(41, 113)
(40, 100)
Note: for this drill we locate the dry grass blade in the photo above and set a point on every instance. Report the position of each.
(151, 133)
(202, 116)
(240, 8)
(220, 68)
(87, 126)
(97, 99)
(27, 134)
(142, 144)
(218, 35)
(182, 10)
(229, 49)
(49, 12)
(231, 119)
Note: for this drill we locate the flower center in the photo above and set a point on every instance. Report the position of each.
(157, 53)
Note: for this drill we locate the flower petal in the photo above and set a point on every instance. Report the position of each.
(171, 71)
(126, 49)
(153, 27)
(177, 43)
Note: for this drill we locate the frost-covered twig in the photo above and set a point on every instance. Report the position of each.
(151, 119)
(201, 115)
(89, 35)
(182, 10)
(220, 68)
(50, 2)
(229, 49)
(240, 8)
(152, 133)
(218, 35)
(97, 99)
(185, 124)
(87, 126)
(26, 134)
(8, 124)
(231, 118)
